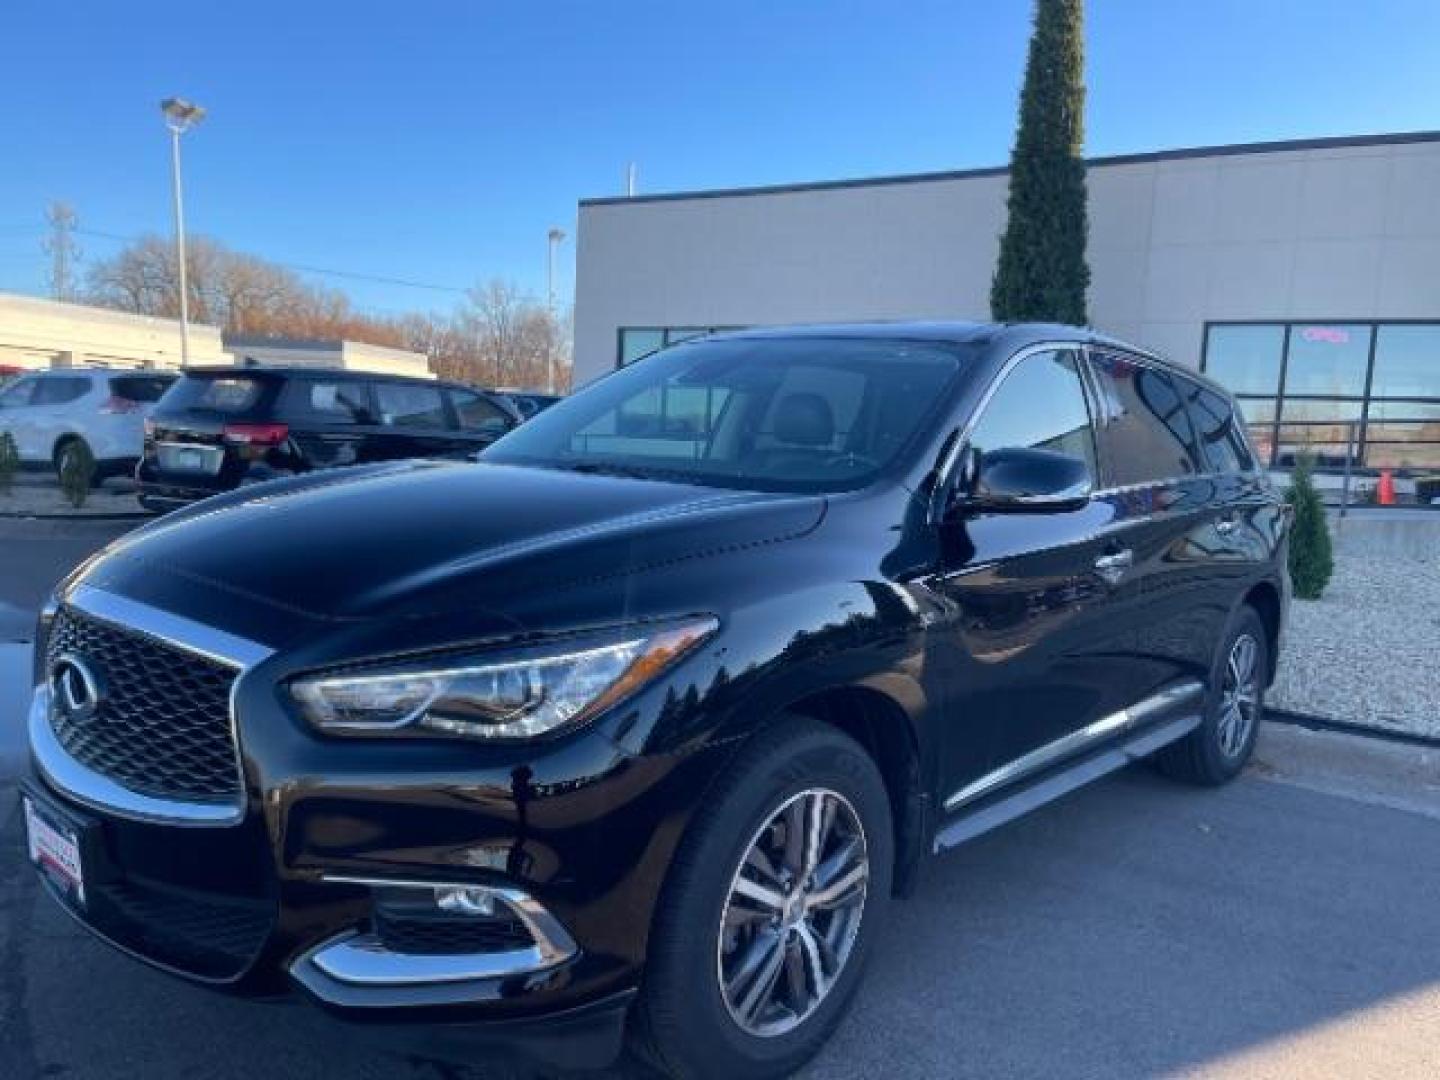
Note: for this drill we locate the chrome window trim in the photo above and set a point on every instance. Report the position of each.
(952, 456)
(98, 791)
(1126, 719)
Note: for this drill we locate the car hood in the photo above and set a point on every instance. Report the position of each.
(428, 537)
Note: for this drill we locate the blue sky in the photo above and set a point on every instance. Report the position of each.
(437, 142)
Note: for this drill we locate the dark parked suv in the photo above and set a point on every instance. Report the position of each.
(638, 724)
(225, 427)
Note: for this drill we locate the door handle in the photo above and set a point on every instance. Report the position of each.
(1225, 526)
(1112, 567)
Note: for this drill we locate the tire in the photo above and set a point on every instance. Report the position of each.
(684, 1023)
(64, 447)
(1217, 751)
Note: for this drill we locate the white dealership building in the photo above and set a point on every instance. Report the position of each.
(1305, 275)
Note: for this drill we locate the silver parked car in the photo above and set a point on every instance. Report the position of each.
(53, 414)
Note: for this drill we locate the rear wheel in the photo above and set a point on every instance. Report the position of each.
(770, 909)
(69, 453)
(1216, 751)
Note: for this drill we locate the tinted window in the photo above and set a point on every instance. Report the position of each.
(328, 401)
(227, 394)
(479, 413)
(1221, 439)
(770, 414)
(1407, 362)
(59, 390)
(410, 405)
(145, 388)
(1146, 432)
(1040, 405)
(18, 393)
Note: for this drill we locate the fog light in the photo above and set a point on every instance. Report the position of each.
(465, 900)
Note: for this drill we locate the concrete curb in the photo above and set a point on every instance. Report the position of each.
(1345, 727)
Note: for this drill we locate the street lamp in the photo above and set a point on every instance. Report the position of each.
(556, 237)
(180, 117)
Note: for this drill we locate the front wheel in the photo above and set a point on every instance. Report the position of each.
(1216, 751)
(770, 909)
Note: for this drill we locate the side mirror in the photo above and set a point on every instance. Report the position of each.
(1023, 480)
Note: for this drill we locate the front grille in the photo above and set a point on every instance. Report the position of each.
(427, 936)
(163, 724)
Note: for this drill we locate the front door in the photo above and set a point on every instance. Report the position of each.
(1029, 607)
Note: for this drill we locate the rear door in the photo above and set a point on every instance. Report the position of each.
(1244, 513)
(332, 420)
(1160, 540)
(55, 410)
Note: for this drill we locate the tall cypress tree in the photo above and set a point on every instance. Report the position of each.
(1042, 274)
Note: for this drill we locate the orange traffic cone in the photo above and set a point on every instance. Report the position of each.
(1385, 490)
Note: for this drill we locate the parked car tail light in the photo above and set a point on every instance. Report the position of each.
(114, 405)
(261, 435)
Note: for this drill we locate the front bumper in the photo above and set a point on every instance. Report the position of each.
(285, 894)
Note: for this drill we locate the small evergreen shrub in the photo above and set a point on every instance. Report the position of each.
(77, 473)
(1311, 559)
(9, 462)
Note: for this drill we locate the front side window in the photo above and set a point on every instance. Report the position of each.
(18, 393)
(1146, 431)
(412, 406)
(59, 390)
(1040, 406)
(769, 414)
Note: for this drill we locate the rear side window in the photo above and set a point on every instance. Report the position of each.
(1040, 406)
(410, 405)
(142, 388)
(222, 394)
(1221, 439)
(59, 390)
(1145, 431)
(327, 401)
(479, 413)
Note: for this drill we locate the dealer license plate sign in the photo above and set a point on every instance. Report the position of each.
(55, 849)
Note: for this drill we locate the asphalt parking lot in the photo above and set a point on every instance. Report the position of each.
(1285, 926)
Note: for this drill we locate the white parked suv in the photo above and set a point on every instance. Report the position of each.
(53, 413)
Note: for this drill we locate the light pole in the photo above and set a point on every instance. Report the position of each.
(180, 117)
(556, 237)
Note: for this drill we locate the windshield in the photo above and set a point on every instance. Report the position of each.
(768, 414)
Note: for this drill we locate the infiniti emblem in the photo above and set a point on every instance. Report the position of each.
(74, 688)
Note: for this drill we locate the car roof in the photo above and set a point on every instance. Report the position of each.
(281, 371)
(97, 372)
(999, 337)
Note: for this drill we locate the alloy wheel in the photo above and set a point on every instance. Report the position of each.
(793, 912)
(1239, 696)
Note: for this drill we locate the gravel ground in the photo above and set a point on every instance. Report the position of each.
(38, 495)
(1368, 651)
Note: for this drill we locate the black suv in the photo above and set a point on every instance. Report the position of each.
(638, 724)
(225, 427)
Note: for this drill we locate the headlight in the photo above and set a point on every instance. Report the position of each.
(514, 696)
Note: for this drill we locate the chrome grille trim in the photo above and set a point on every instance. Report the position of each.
(100, 792)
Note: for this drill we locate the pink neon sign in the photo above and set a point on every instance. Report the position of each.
(1329, 335)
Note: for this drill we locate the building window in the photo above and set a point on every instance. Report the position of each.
(1366, 393)
(640, 341)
